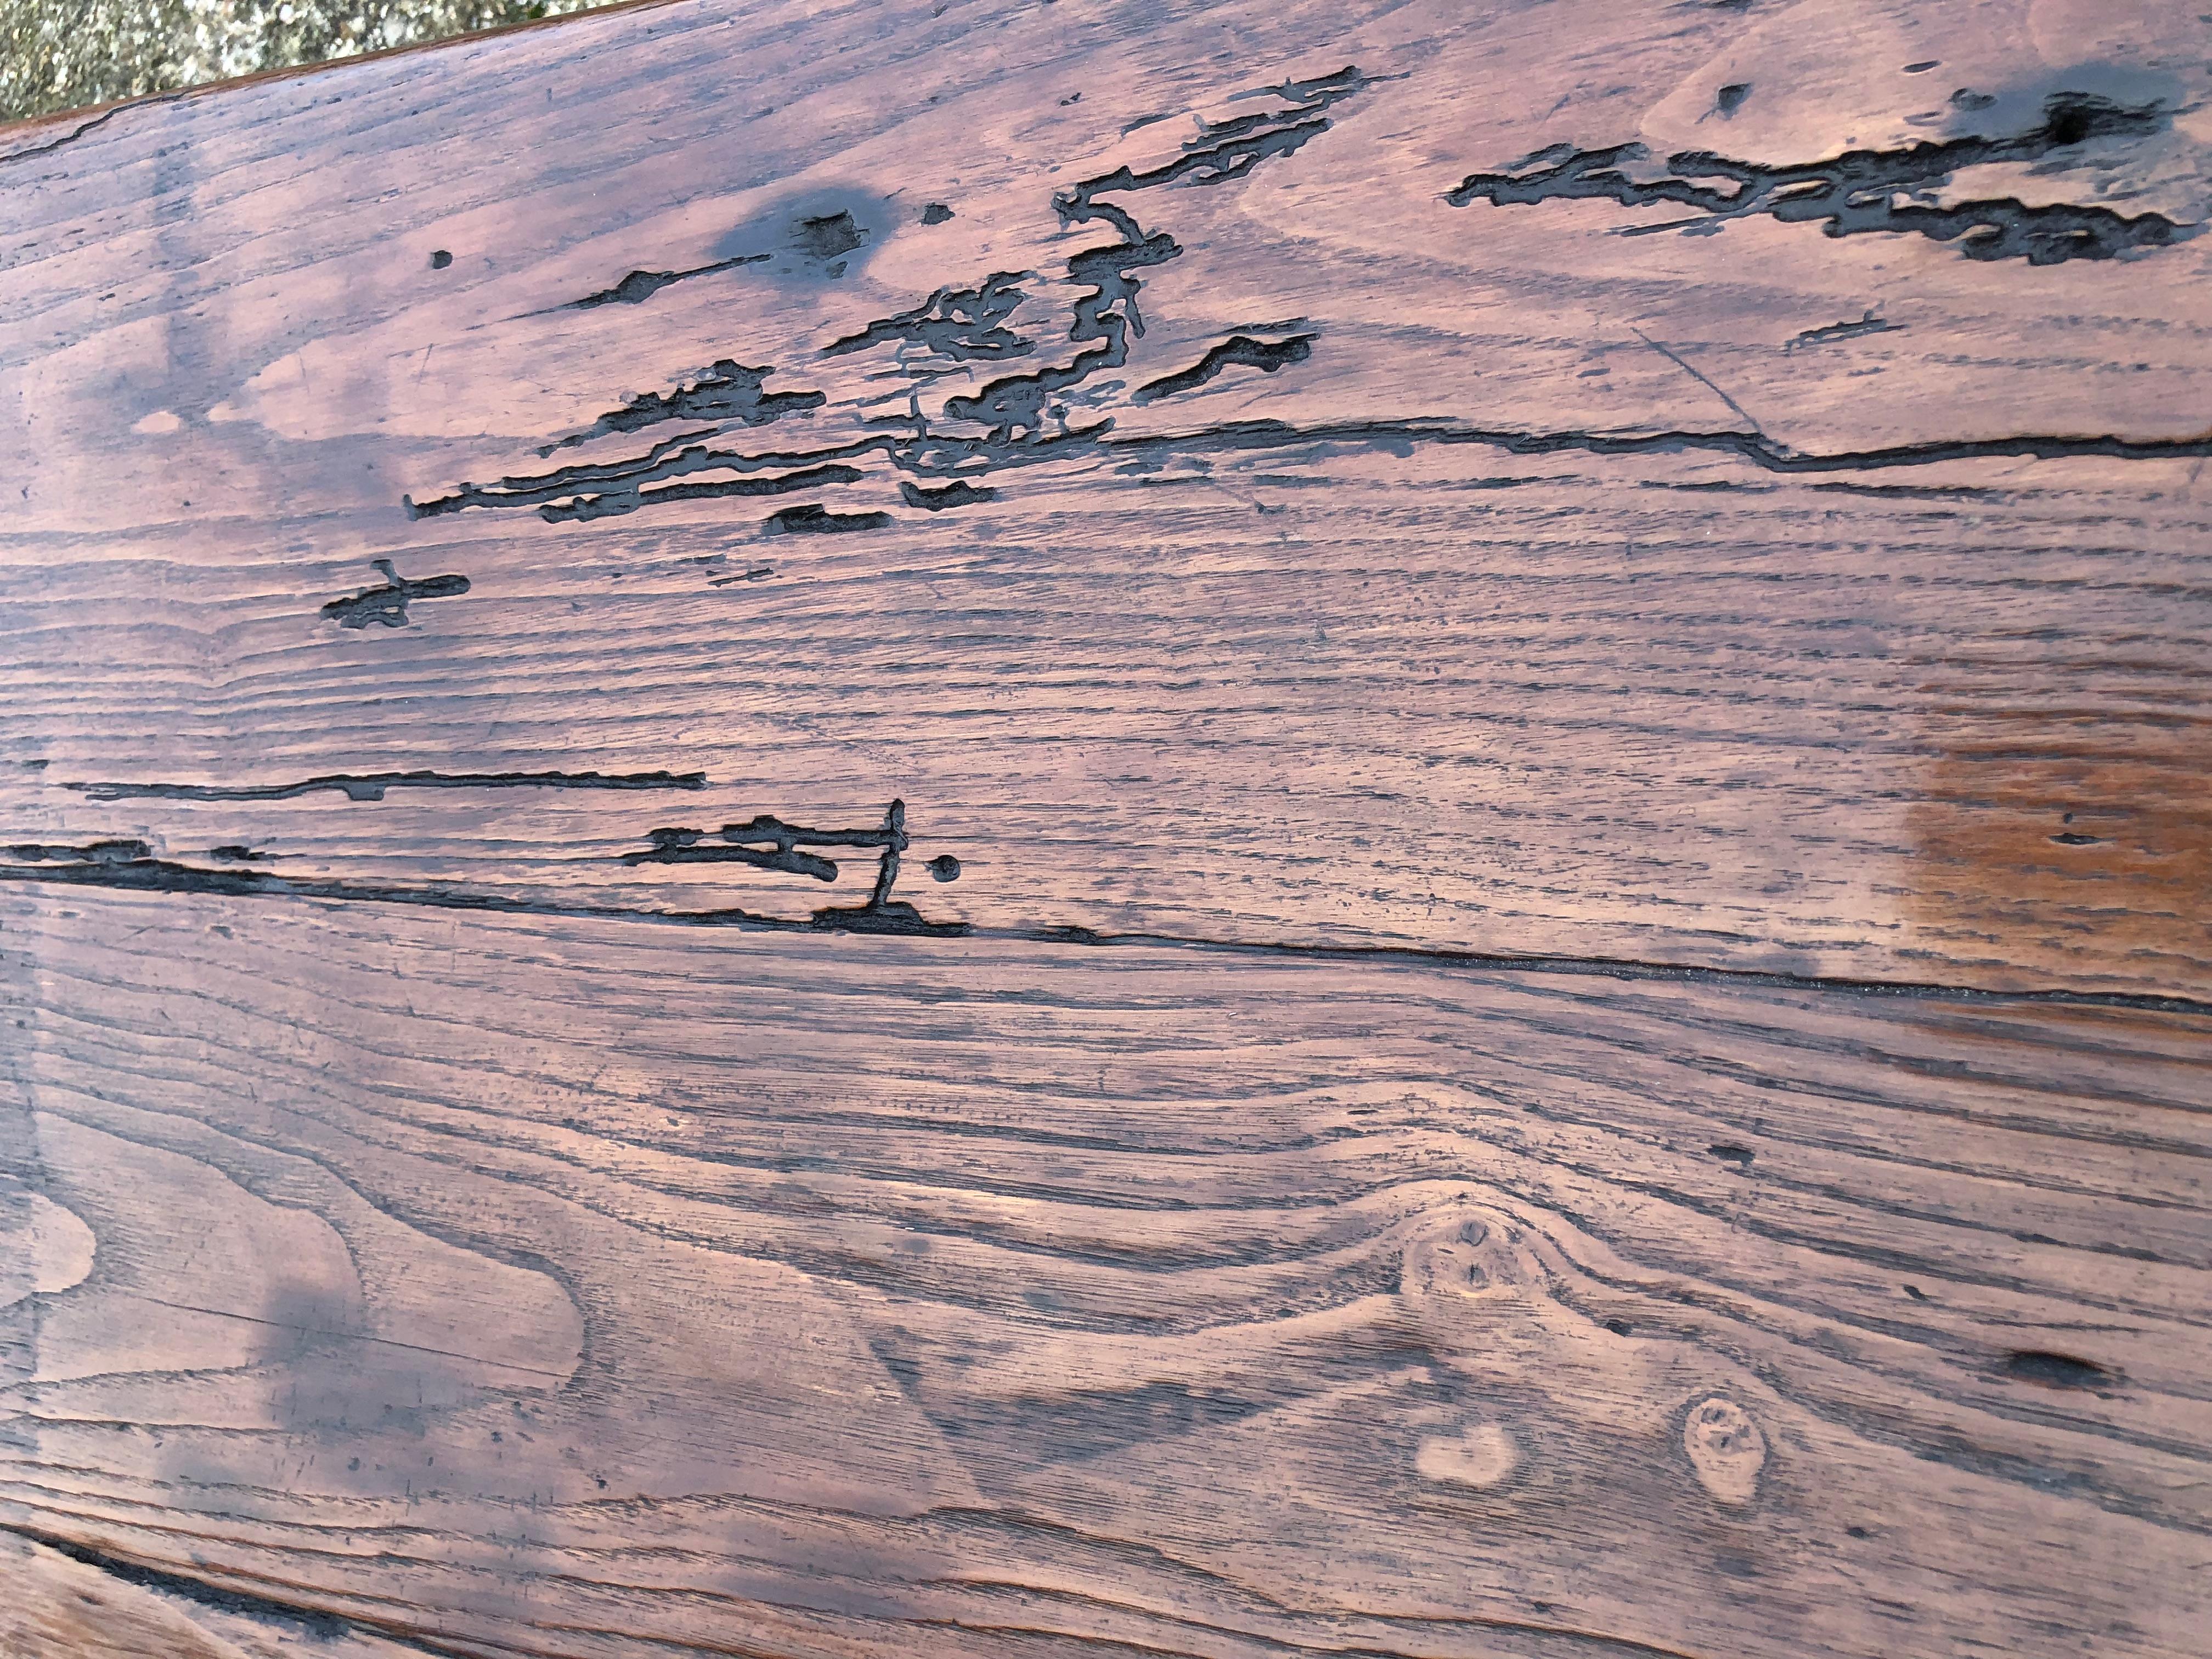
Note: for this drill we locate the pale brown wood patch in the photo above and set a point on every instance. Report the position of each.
(1055, 830)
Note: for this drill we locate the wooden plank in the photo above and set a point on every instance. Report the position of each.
(1451, 562)
(529, 1285)
(1226, 830)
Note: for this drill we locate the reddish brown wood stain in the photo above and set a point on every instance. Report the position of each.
(2069, 831)
(991, 830)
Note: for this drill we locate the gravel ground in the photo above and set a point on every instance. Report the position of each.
(65, 54)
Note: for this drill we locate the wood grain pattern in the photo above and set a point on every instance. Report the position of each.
(58, 1604)
(1416, 576)
(884, 1294)
(1055, 829)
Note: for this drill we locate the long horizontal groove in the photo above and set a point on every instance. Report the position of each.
(948, 457)
(1756, 447)
(163, 877)
(1619, 968)
(372, 786)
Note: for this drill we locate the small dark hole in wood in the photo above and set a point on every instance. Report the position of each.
(1739, 1155)
(440, 259)
(1731, 97)
(2069, 122)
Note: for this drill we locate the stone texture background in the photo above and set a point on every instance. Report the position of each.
(65, 54)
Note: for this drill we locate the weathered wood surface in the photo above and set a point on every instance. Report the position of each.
(829, 1296)
(1899, 675)
(59, 1605)
(1567, 998)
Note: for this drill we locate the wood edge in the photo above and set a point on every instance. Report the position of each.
(87, 116)
(62, 1604)
(107, 1606)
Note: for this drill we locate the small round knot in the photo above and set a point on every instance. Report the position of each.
(1726, 1449)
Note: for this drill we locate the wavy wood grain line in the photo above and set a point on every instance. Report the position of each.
(868, 1294)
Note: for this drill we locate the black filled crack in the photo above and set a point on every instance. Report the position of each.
(1107, 318)
(600, 507)
(1869, 323)
(824, 238)
(641, 285)
(1752, 447)
(388, 605)
(1858, 191)
(1017, 413)
(1026, 419)
(815, 519)
(598, 490)
(964, 323)
(1266, 355)
(127, 871)
(97, 121)
(729, 392)
(1255, 435)
(371, 785)
(958, 492)
(765, 841)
